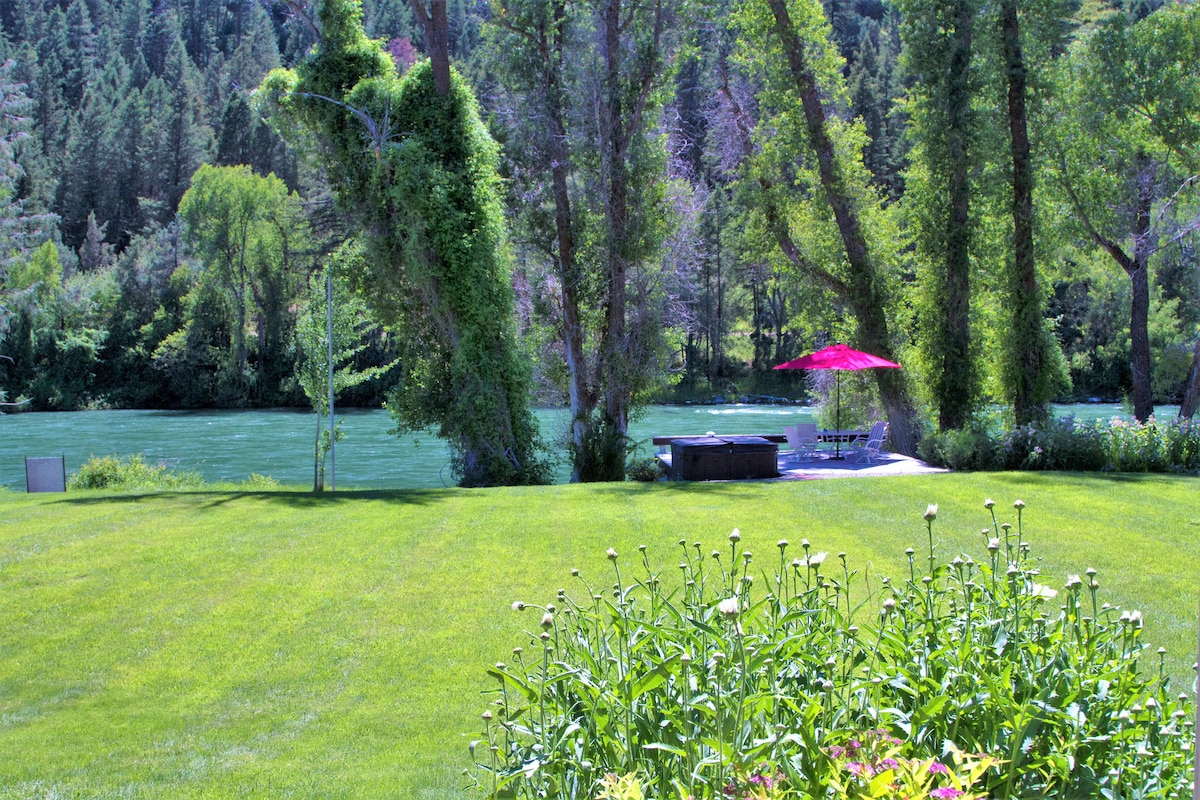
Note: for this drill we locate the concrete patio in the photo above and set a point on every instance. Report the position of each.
(795, 467)
(799, 466)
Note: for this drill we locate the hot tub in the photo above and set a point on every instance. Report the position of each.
(723, 458)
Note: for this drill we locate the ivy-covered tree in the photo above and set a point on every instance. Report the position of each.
(942, 182)
(417, 169)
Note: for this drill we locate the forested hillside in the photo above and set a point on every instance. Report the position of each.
(1003, 196)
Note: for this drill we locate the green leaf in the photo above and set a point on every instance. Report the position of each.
(517, 683)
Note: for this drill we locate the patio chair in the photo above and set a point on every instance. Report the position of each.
(873, 447)
(802, 439)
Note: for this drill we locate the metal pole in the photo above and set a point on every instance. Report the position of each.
(837, 418)
(329, 336)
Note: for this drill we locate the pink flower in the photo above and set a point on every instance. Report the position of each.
(946, 793)
(937, 768)
(859, 768)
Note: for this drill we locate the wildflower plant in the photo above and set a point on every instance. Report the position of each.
(727, 666)
(873, 765)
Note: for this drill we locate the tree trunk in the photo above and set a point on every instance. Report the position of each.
(434, 25)
(956, 400)
(1139, 343)
(581, 398)
(1139, 276)
(318, 478)
(1192, 393)
(617, 398)
(1025, 339)
(872, 327)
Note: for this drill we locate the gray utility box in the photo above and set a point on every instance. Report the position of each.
(45, 474)
(723, 458)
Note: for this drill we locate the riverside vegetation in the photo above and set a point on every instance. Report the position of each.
(801, 679)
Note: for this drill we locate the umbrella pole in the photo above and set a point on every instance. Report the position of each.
(837, 418)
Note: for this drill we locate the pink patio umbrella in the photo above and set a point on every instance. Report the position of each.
(838, 357)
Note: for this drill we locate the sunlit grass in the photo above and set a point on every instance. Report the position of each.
(272, 644)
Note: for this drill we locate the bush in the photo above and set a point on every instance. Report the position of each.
(644, 470)
(968, 449)
(110, 472)
(1064, 444)
(1057, 444)
(711, 683)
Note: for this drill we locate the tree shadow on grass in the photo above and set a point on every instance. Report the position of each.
(1084, 478)
(290, 499)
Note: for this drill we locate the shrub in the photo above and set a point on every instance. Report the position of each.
(965, 449)
(1056, 444)
(714, 682)
(644, 470)
(1064, 444)
(110, 472)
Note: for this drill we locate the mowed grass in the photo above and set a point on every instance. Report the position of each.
(277, 644)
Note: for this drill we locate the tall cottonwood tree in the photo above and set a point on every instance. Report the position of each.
(1025, 355)
(945, 125)
(794, 58)
(1125, 151)
(595, 75)
(248, 231)
(417, 170)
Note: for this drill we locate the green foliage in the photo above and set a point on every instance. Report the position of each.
(249, 234)
(350, 327)
(1064, 444)
(418, 170)
(645, 470)
(695, 678)
(41, 272)
(133, 473)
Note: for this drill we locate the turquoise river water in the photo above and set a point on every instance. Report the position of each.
(230, 445)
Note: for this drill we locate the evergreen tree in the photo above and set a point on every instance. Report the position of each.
(178, 140)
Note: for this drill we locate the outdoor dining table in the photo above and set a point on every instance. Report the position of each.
(840, 436)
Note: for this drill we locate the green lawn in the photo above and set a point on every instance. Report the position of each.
(277, 644)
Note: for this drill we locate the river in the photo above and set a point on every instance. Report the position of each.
(230, 445)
